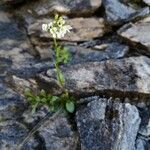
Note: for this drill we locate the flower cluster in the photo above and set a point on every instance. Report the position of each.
(57, 28)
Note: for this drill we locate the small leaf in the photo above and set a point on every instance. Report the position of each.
(34, 108)
(28, 92)
(70, 107)
(42, 93)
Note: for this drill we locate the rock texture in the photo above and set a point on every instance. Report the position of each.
(129, 75)
(147, 2)
(60, 132)
(107, 124)
(67, 7)
(83, 29)
(102, 64)
(138, 32)
(118, 13)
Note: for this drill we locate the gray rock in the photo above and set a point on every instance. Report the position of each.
(12, 134)
(112, 50)
(63, 7)
(138, 32)
(118, 13)
(14, 45)
(11, 104)
(107, 124)
(140, 144)
(58, 134)
(147, 2)
(128, 75)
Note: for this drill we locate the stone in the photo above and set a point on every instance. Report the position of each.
(83, 29)
(123, 76)
(32, 119)
(12, 134)
(20, 84)
(137, 32)
(65, 7)
(118, 13)
(147, 2)
(142, 144)
(113, 50)
(58, 134)
(107, 124)
(11, 1)
(11, 104)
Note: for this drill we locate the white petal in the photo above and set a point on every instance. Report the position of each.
(44, 27)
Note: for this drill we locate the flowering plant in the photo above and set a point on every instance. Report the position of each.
(57, 29)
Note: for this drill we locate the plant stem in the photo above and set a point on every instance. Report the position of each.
(58, 71)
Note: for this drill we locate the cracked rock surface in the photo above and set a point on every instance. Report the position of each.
(109, 74)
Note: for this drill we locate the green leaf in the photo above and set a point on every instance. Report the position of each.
(28, 92)
(34, 108)
(70, 107)
(42, 93)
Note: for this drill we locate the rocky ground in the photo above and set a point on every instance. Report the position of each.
(109, 73)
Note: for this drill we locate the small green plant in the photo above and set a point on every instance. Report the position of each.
(57, 29)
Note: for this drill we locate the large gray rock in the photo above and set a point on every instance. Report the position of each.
(58, 134)
(147, 2)
(11, 104)
(83, 29)
(12, 134)
(138, 32)
(118, 13)
(124, 76)
(16, 52)
(107, 124)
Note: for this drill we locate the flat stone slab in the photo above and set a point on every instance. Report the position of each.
(128, 75)
(83, 29)
(138, 32)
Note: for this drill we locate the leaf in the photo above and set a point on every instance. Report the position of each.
(70, 106)
(34, 108)
(28, 92)
(42, 93)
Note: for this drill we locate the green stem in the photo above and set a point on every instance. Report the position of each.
(58, 71)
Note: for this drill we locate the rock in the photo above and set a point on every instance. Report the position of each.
(14, 45)
(65, 7)
(138, 32)
(11, 104)
(145, 130)
(11, 135)
(58, 134)
(147, 2)
(118, 13)
(83, 29)
(11, 1)
(81, 55)
(107, 124)
(32, 119)
(20, 84)
(125, 76)
(142, 144)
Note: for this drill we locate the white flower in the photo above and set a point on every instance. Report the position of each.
(57, 28)
(44, 27)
